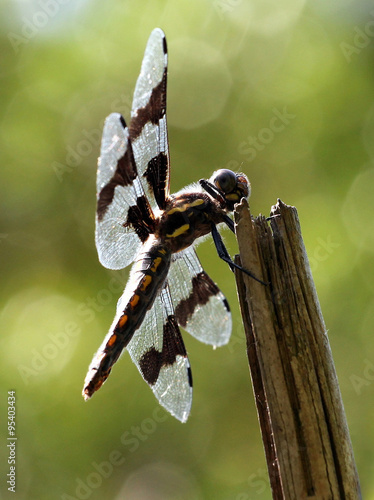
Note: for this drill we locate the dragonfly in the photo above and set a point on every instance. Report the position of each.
(139, 222)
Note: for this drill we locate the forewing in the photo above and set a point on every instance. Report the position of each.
(148, 127)
(158, 351)
(124, 218)
(200, 307)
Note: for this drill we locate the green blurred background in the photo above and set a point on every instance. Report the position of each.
(234, 66)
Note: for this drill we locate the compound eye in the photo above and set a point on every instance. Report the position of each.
(225, 180)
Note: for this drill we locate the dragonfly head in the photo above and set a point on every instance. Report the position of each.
(231, 186)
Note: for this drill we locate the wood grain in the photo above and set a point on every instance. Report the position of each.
(302, 420)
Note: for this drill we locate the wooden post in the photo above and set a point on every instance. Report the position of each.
(304, 430)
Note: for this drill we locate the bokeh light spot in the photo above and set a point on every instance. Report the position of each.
(200, 83)
(41, 334)
(356, 211)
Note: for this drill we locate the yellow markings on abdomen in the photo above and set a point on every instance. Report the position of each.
(112, 340)
(134, 300)
(180, 230)
(157, 261)
(123, 320)
(146, 282)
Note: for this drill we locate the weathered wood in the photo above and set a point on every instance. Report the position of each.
(303, 424)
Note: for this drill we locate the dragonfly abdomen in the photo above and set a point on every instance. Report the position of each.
(147, 277)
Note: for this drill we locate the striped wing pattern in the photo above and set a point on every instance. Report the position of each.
(133, 168)
(158, 351)
(124, 218)
(132, 182)
(200, 306)
(148, 127)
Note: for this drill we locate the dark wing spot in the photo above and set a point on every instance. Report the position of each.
(157, 176)
(164, 45)
(152, 111)
(122, 120)
(141, 218)
(226, 305)
(202, 289)
(123, 176)
(189, 376)
(152, 361)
